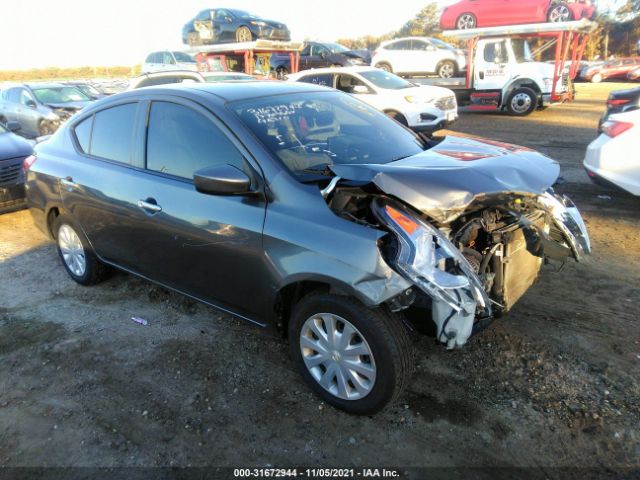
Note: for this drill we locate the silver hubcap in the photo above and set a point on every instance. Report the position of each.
(520, 102)
(559, 14)
(72, 250)
(385, 67)
(337, 356)
(446, 71)
(466, 21)
(243, 35)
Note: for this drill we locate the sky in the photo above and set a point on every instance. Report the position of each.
(67, 33)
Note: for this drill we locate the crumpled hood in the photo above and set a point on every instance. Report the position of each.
(69, 105)
(443, 181)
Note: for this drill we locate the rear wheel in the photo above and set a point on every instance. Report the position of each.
(522, 102)
(597, 78)
(384, 66)
(46, 128)
(243, 34)
(357, 359)
(446, 69)
(466, 21)
(76, 254)
(560, 13)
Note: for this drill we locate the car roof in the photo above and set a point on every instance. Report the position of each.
(36, 85)
(324, 70)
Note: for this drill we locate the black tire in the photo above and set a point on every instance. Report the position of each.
(522, 102)
(281, 73)
(559, 12)
(466, 21)
(384, 333)
(384, 66)
(447, 69)
(94, 271)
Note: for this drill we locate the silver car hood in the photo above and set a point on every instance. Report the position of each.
(445, 180)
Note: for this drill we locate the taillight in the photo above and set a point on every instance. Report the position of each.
(612, 128)
(614, 102)
(30, 160)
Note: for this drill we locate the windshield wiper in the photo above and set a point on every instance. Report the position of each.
(319, 170)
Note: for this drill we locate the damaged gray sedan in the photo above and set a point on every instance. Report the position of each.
(302, 209)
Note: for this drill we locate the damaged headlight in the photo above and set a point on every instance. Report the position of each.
(567, 218)
(423, 254)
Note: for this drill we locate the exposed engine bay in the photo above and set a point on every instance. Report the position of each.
(469, 270)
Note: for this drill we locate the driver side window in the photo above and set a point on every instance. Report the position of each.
(317, 50)
(495, 52)
(25, 98)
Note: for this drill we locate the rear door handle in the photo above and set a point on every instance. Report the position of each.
(149, 205)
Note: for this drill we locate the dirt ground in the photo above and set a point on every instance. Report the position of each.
(552, 384)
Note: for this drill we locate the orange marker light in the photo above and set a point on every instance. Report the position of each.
(402, 220)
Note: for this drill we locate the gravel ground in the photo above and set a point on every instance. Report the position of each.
(552, 384)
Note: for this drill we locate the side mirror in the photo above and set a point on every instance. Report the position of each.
(222, 179)
(360, 89)
(323, 54)
(14, 126)
(30, 104)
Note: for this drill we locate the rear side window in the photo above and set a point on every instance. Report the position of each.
(401, 45)
(113, 131)
(181, 141)
(83, 133)
(325, 79)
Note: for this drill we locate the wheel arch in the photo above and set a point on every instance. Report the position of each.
(519, 83)
(396, 113)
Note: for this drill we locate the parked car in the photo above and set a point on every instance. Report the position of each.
(222, 25)
(89, 90)
(608, 160)
(492, 13)
(40, 108)
(303, 209)
(419, 56)
(13, 151)
(186, 76)
(634, 75)
(318, 55)
(422, 108)
(620, 101)
(168, 60)
(612, 69)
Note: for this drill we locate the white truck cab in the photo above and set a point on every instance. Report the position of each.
(505, 67)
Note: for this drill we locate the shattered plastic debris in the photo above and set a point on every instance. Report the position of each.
(139, 320)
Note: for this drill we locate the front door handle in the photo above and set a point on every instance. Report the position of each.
(149, 205)
(68, 183)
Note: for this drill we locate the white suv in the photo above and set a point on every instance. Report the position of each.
(168, 60)
(419, 56)
(419, 107)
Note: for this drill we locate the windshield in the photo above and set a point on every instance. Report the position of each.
(386, 80)
(59, 95)
(521, 50)
(336, 47)
(87, 90)
(309, 131)
(183, 57)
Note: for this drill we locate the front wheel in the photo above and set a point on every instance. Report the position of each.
(466, 21)
(357, 359)
(559, 13)
(243, 34)
(193, 39)
(76, 254)
(522, 102)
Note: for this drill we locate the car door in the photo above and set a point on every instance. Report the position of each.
(207, 246)
(27, 112)
(425, 56)
(492, 70)
(317, 57)
(401, 56)
(324, 79)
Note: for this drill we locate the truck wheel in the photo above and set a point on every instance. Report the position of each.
(356, 358)
(243, 34)
(446, 69)
(597, 78)
(76, 254)
(559, 13)
(522, 102)
(466, 21)
(384, 66)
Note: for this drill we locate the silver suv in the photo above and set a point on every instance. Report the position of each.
(419, 56)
